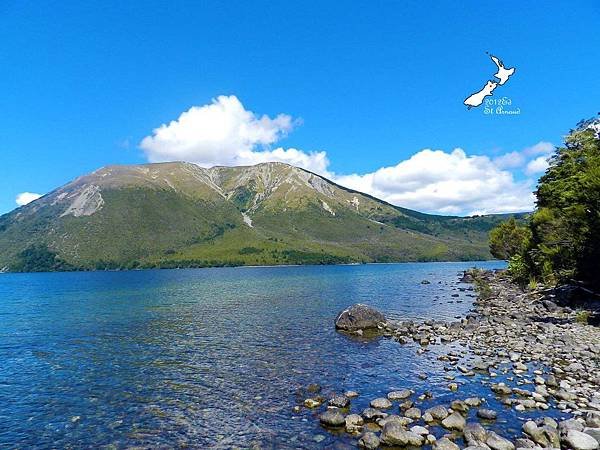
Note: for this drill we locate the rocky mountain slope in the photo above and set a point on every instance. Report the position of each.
(181, 215)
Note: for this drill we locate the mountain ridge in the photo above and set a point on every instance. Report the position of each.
(178, 214)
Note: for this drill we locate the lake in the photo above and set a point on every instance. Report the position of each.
(205, 357)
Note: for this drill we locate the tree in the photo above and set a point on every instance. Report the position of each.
(562, 239)
(509, 239)
(39, 258)
(566, 226)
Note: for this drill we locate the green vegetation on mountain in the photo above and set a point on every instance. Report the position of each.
(561, 240)
(182, 215)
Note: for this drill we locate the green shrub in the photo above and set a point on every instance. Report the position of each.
(484, 291)
(509, 239)
(518, 269)
(582, 317)
(250, 250)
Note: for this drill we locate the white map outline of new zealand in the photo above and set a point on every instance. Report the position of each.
(503, 74)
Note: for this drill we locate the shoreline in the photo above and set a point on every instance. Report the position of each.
(549, 364)
(244, 266)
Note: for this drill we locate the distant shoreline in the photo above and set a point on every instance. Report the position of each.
(248, 266)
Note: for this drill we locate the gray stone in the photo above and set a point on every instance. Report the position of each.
(406, 405)
(592, 419)
(475, 435)
(549, 421)
(524, 443)
(530, 427)
(480, 364)
(312, 402)
(369, 440)
(497, 442)
(418, 429)
(545, 436)
(551, 381)
(402, 421)
(427, 418)
(445, 444)
(488, 414)
(454, 422)
(395, 434)
(501, 389)
(332, 418)
(473, 401)
(373, 414)
(354, 423)
(562, 394)
(399, 395)
(381, 403)
(438, 412)
(413, 413)
(578, 440)
(340, 401)
(570, 424)
(459, 405)
(359, 317)
(593, 432)
(319, 438)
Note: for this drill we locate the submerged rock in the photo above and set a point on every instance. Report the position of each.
(359, 317)
(351, 394)
(488, 414)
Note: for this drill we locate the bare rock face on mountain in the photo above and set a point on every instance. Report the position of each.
(359, 317)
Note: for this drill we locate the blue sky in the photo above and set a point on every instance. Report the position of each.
(363, 88)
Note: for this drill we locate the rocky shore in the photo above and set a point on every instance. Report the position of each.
(548, 360)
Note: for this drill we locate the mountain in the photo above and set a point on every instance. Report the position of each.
(181, 215)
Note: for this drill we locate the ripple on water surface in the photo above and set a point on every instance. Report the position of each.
(204, 357)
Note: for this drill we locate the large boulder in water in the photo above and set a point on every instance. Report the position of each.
(359, 317)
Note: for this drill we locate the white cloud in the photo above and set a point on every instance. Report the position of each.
(537, 165)
(541, 148)
(26, 197)
(450, 183)
(523, 158)
(225, 133)
(510, 160)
